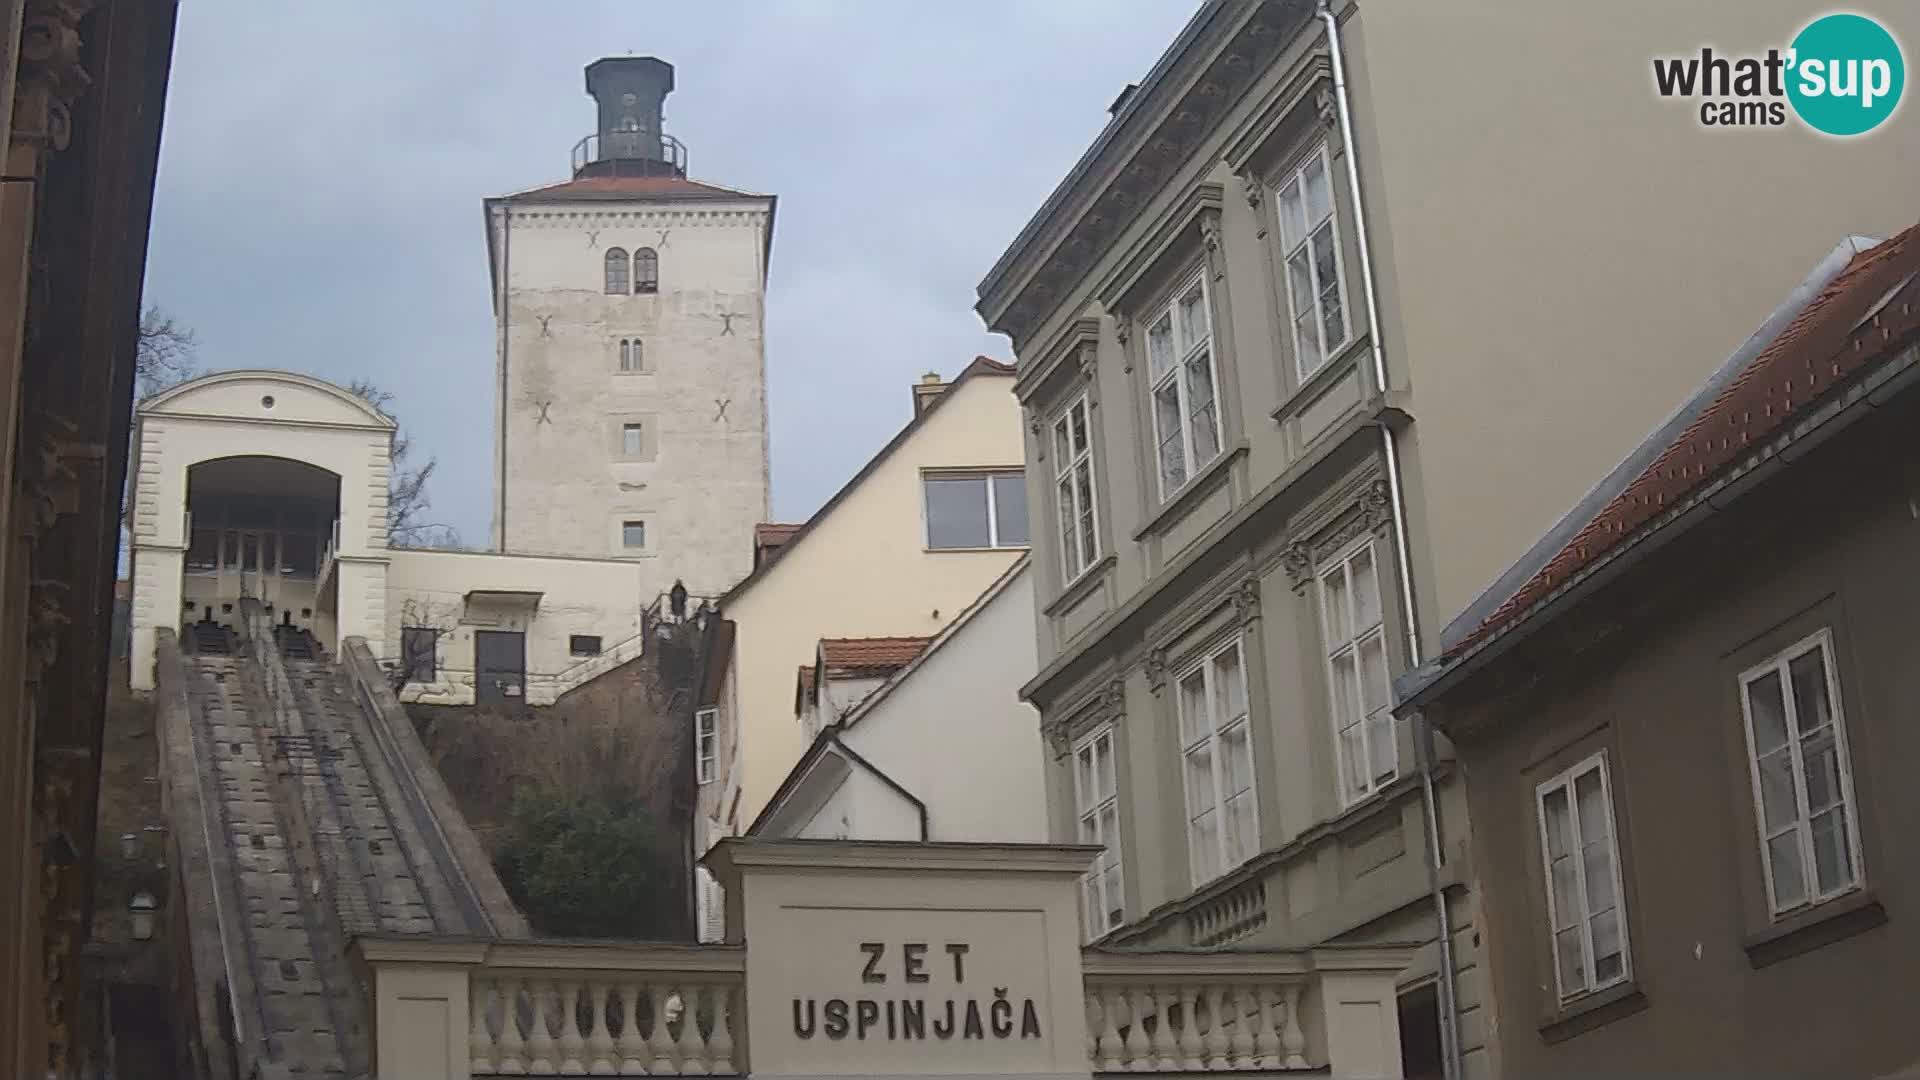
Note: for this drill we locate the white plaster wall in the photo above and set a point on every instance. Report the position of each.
(702, 481)
(955, 733)
(603, 597)
(227, 415)
(864, 571)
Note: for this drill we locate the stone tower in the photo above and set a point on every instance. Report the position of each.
(630, 383)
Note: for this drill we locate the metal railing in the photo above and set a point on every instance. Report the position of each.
(631, 153)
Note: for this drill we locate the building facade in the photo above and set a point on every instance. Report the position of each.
(1277, 447)
(631, 377)
(1686, 735)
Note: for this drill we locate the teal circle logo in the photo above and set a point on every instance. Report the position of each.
(1846, 74)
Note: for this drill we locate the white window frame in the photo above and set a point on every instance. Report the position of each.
(1212, 737)
(1298, 176)
(987, 476)
(1183, 352)
(1334, 650)
(1088, 809)
(642, 545)
(1079, 533)
(706, 744)
(632, 357)
(1779, 663)
(1565, 780)
(633, 440)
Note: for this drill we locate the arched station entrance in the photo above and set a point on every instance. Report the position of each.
(261, 527)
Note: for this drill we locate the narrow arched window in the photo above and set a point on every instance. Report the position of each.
(616, 271)
(646, 271)
(630, 354)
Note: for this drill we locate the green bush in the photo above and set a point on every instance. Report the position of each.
(590, 865)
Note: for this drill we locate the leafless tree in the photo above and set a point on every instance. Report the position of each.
(165, 353)
(407, 500)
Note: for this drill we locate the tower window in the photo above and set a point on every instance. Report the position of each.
(633, 534)
(646, 271)
(616, 271)
(629, 353)
(630, 440)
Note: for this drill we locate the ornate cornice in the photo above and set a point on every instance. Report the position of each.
(1370, 510)
(51, 78)
(1297, 559)
(1109, 706)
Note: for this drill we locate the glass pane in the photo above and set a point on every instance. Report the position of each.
(1609, 951)
(1089, 547)
(1083, 481)
(1346, 693)
(1194, 722)
(1375, 683)
(1242, 833)
(1333, 315)
(633, 534)
(1789, 883)
(1200, 790)
(1573, 973)
(1010, 509)
(1195, 326)
(1565, 880)
(1821, 759)
(1319, 192)
(957, 512)
(630, 440)
(1769, 713)
(1559, 823)
(1203, 846)
(1084, 791)
(1300, 282)
(1353, 758)
(1103, 767)
(1204, 414)
(1382, 754)
(1832, 859)
(1062, 446)
(1108, 825)
(1306, 342)
(1777, 807)
(1069, 545)
(1090, 904)
(1597, 864)
(1811, 709)
(1114, 905)
(1326, 277)
(1333, 601)
(1591, 800)
(1079, 420)
(1230, 685)
(1160, 346)
(1366, 589)
(1292, 224)
(1236, 759)
(1090, 829)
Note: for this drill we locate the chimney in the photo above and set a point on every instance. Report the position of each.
(629, 93)
(924, 391)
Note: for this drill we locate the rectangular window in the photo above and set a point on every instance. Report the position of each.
(1585, 909)
(584, 645)
(976, 510)
(705, 743)
(1097, 801)
(1316, 294)
(1073, 488)
(1802, 776)
(1357, 674)
(1186, 412)
(417, 647)
(630, 440)
(633, 534)
(1217, 764)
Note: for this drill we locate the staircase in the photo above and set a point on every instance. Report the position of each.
(297, 643)
(206, 638)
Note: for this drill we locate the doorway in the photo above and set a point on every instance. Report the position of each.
(499, 666)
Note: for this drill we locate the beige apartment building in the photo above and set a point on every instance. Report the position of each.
(1341, 313)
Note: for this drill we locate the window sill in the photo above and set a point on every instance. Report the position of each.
(1823, 924)
(642, 371)
(1015, 548)
(1189, 493)
(1331, 372)
(1598, 1009)
(1080, 586)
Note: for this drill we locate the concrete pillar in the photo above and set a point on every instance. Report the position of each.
(420, 1017)
(1362, 1023)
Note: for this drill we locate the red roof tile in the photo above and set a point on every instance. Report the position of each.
(628, 186)
(848, 656)
(773, 534)
(1820, 348)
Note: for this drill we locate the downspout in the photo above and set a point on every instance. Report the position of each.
(1390, 450)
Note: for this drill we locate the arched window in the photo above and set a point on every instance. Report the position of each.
(616, 272)
(646, 271)
(630, 354)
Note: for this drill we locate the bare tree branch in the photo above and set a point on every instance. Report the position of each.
(407, 489)
(164, 355)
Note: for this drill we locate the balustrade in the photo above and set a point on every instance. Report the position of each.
(1194, 1013)
(608, 1023)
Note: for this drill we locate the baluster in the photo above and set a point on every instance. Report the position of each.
(1190, 1045)
(1217, 1017)
(599, 1035)
(633, 1045)
(1090, 1002)
(539, 1037)
(572, 1045)
(1266, 1041)
(1165, 1039)
(722, 1041)
(659, 1037)
(479, 1039)
(693, 1050)
(513, 1048)
(1110, 1048)
(1292, 1040)
(1134, 1053)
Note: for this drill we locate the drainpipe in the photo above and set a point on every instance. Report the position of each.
(1390, 451)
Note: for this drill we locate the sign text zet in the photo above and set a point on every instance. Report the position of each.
(957, 1015)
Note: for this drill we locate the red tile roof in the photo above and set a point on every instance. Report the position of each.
(1818, 349)
(772, 534)
(628, 187)
(806, 678)
(880, 655)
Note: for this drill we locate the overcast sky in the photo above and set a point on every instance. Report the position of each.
(323, 165)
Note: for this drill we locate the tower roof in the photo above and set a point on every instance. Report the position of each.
(594, 188)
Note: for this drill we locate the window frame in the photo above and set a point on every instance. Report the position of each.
(575, 645)
(1564, 780)
(1342, 559)
(1094, 880)
(1779, 663)
(1075, 558)
(617, 261)
(706, 745)
(625, 524)
(647, 282)
(632, 355)
(1183, 353)
(1296, 174)
(1205, 664)
(633, 440)
(987, 476)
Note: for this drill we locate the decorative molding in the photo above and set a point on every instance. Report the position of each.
(1324, 103)
(1122, 327)
(1246, 602)
(1156, 668)
(1113, 701)
(1376, 504)
(51, 77)
(1210, 243)
(1297, 559)
(1059, 735)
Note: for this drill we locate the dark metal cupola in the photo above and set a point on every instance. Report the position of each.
(630, 92)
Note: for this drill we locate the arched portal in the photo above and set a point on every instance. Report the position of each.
(261, 527)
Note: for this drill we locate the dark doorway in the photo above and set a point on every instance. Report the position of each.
(499, 666)
(1420, 1056)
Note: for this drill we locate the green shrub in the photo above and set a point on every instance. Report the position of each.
(591, 864)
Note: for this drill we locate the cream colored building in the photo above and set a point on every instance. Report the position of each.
(1315, 339)
(906, 546)
(630, 387)
(272, 485)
